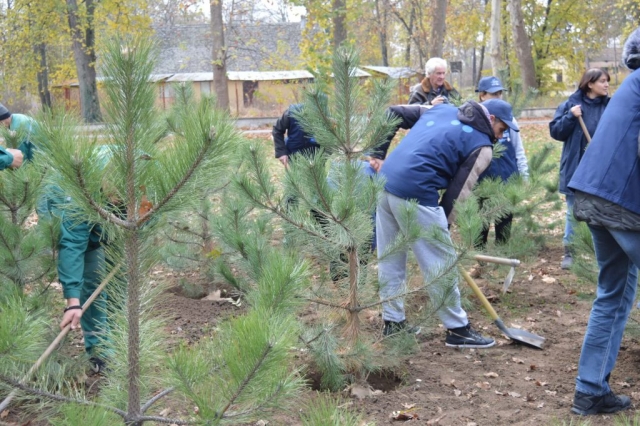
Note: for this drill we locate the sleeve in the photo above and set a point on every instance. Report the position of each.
(563, 123)
(455, 95)
(6, 158)
(465, 178)
(279, 130)
(409, 115)
(521, 157)
(417, 97)
(74, 239)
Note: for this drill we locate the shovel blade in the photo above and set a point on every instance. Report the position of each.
(521, 336)
(507, 281)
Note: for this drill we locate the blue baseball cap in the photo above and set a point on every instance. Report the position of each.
(501, 110)
(489, 85)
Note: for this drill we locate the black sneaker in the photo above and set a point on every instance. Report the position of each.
(392, 327)
(98, 365)
(585, 405)
(467, 337)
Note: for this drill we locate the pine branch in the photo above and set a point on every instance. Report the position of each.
(141, 419)
(60, 398)
(106, 215)
(187, 176)
(246, 381)
(325, 303)
(153, 400)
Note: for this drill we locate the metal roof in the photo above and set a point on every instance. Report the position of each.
(191, 76)
(393, 72)
(268, 75)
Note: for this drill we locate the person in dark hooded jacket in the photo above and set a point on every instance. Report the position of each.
(588, 102)
(447, 148)
(296, 139)
(607, 198)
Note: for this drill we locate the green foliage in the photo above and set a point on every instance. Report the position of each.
(326, 410)
(73, 415)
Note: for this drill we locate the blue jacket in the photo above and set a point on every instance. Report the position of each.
(566, 128)
(507, 164)
(296, 139)
(433, 151)
(610, 168)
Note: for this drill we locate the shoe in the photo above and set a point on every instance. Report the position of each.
(467, 337)
(392, 327)
(567, 260)
(585, 405)
(97, 365)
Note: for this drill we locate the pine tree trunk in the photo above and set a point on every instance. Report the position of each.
(352, 329)
(43, 75)
(496, 55)
(438, 27)
(339, 27)
(523, 46)
(85, 58)
(220, 82)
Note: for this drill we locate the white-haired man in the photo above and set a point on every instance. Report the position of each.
(434, 89)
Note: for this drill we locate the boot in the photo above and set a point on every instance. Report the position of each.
(567, 260)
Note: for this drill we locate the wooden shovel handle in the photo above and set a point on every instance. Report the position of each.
(584, 129)
(479, 295)
(5, 403)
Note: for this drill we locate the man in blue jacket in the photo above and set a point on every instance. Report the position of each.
(295, 141)
(606, 187)
(447, 148)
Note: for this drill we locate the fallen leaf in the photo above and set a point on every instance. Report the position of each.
(552, 393)
(472, 424)
(484, 385)
(623, 384)
(540, 405)
(548, 280)
(408, 406)
(635, 395)
(491, 374)
(528, 379)
(539, 383)
(165, 412)
(4, 414)
(404, 416)
(530, 278)
(457, 392)
(529, 398)
(499, 393)
(436, 420)
(261, 423)
(514, 394)
(532, 367)
(517, 360)
(362, 392)
(531, 319)
(558, 313)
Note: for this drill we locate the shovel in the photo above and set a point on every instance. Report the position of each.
(502, 261)
(514, 334)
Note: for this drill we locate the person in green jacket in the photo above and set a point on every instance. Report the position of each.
(10, 157)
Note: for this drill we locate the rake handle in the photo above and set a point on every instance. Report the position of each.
(499, 260)
(5, 403)
(584, 129)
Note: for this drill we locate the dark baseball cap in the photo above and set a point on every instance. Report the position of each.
(489, 85)
(501, 110)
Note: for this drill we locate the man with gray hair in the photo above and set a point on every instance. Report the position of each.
(8, 157)
(434, 89)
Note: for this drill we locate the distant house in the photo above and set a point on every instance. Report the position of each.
(405, 76)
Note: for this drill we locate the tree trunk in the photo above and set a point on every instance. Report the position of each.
(339, 27)
(438, 27)
(220, 82)
(83, 37)
(522, 44)
(496, 55)
(43, 75)
(382, 15)
(352, 328)
(480, 67)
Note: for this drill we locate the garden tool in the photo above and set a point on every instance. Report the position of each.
(584, 129)
(514, 334)
(5, 403)
(501, 261)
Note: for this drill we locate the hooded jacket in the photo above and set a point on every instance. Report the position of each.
(447, 148)
(565, 128)
(423, 93)
(296, 139)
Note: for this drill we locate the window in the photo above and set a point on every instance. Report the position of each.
(205, 88)
(559, 77)
(248, 89)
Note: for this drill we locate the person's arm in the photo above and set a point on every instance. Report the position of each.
(465, 178)
(279, 130)
(409, 115)
(417, 97)
(74, 239)
(10, 157)
(563, 123)
(521, 157)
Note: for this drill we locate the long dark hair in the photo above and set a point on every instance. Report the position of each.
(591, 76)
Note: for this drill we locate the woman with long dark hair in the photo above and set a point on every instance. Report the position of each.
(588, 102)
